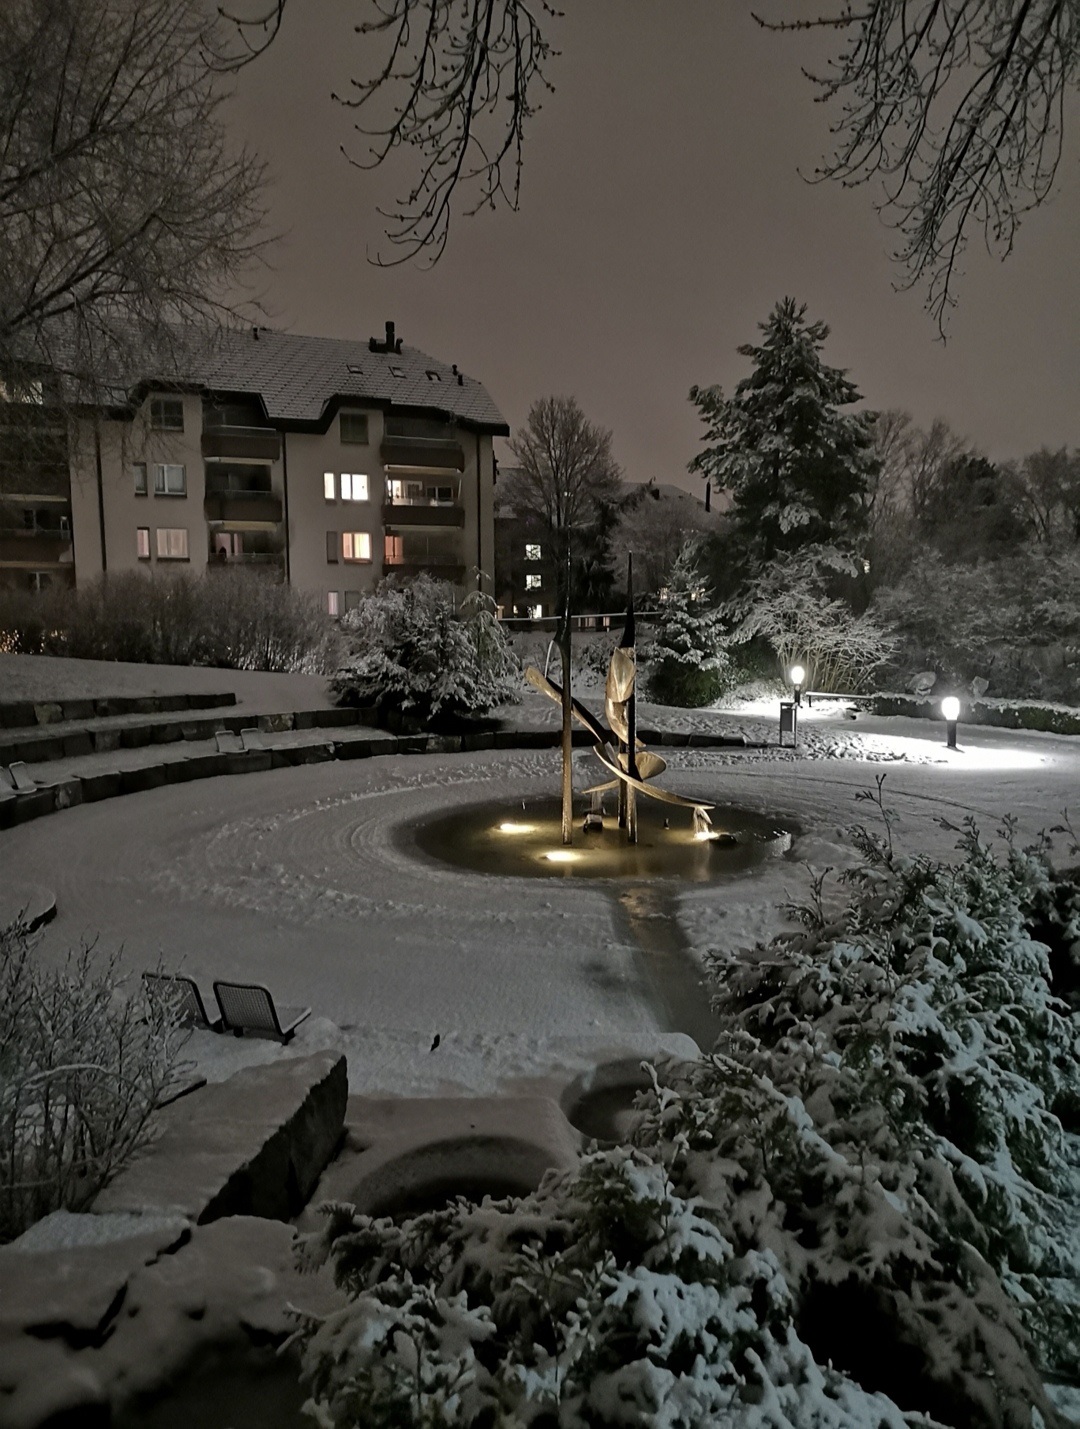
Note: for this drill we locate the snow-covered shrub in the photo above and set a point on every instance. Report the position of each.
(1015, 622)
(230, 619)
(84, 1064)
(917, 1030)
(613, 1296)
(413, 650)
(788, 606)
(688, 664)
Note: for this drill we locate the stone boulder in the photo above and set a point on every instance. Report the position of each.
(254, 1145)
(922, 683)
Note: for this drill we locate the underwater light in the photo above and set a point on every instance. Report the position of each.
(511, 828)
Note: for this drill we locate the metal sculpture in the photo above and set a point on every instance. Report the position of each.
(618, 749)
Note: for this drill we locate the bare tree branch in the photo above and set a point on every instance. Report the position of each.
(454, 83)
(124, 213)
(958, 107)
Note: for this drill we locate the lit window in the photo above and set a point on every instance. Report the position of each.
(167, 414)
(332, 607)
(354, 428)
(354, 486)
(169, 480)
(328, 485)
(393, 550)
(138, 473)
(172, 543)
(356, 546)
(532, 552)
(532, 582)
(142, 543)
(536, 612)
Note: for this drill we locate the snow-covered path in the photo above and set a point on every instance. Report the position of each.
(303, 879)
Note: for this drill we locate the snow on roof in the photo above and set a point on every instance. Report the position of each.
(298, 376)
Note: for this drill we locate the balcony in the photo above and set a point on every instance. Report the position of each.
(270, 564)
(426, 513)
(261, 506)
(422, 453)
(34, 546)
(438, 571)
(241, 443)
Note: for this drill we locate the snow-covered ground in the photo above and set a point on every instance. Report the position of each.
(303, 879)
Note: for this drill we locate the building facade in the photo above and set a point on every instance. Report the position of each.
(324, 463)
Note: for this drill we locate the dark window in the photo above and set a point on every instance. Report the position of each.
(354, 427)
(167, 414)
(419, 427)
(138, 472)
(352, 599)
(223, 478)
(332, 546)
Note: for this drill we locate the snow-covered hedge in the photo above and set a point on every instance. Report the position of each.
(413, 650)
(860, 1210)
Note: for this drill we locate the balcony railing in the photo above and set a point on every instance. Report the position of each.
(438, 570)
(422, 513)
(423, 453)
(242, 443)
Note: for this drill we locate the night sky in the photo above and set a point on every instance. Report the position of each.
(662, 215)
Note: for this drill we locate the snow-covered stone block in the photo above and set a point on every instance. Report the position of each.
(91, 1332)
(253, 1145)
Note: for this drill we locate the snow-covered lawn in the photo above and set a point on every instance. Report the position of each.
(300, 878)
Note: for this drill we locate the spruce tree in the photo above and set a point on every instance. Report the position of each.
(688, 660)
(796, 466)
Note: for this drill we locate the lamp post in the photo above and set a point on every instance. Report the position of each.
(950, 708)
(798, 675)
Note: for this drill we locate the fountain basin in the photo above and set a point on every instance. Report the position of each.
(524, 840)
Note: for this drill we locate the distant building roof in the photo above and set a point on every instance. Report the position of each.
(304, 379)
(297, 377)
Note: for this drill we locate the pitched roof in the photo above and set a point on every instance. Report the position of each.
(298, 377)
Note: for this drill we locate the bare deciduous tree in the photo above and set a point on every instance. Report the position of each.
(453, 82)
(959, 106)
(567, 478)
(123, 211)
(656, 531)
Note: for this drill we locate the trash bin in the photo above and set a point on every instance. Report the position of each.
(789, 722)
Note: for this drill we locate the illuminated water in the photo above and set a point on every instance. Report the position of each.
(524, 840)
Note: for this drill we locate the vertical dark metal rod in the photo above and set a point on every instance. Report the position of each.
(630, 641)
(567, 738)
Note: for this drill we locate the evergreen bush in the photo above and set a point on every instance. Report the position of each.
(688, 664)
(412, 650)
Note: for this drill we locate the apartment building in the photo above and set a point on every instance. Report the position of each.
(322, 462)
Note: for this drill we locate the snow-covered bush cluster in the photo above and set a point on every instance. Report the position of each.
(860, 1210)
(84, 1065)
(1015, 622)
(688, 664)
(612, 1296)
(788, 606)
(412, 649)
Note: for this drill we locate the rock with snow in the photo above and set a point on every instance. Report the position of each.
(979, 686)
(253, 1145)
(922, 683)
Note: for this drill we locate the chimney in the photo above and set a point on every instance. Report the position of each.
(390, 337)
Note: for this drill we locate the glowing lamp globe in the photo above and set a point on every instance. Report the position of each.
(950, 708)
(798, 674)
